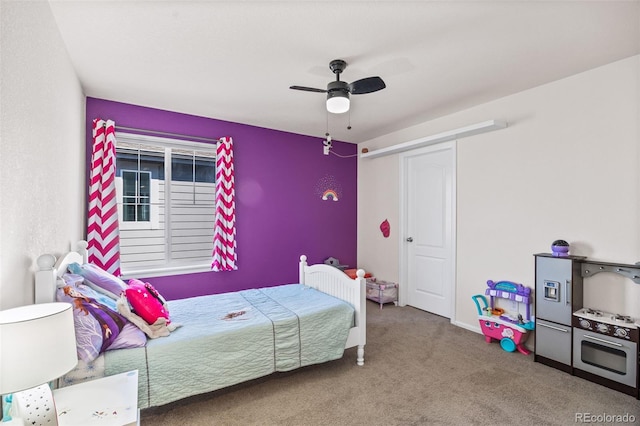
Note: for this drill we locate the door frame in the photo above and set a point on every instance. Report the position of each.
(403, 261)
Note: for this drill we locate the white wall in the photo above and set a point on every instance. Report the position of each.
(42, 148)
(567, 167)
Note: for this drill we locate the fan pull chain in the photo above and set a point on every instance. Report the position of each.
(327, 132)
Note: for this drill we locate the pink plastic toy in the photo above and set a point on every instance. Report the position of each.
(510, 332)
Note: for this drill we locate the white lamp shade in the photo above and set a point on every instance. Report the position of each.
(37, 345)
(338, 104)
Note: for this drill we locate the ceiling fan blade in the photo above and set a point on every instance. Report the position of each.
(366, 85)
(308, 89)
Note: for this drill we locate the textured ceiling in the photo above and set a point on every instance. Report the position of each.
(236, 60)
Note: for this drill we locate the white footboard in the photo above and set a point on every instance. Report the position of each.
(333, 281)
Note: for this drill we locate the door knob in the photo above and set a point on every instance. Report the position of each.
(410, 239)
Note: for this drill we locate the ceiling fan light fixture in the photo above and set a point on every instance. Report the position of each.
(338, 102)
(338, 91)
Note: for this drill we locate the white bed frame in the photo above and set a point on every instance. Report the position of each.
(325, 278)
(333, 281)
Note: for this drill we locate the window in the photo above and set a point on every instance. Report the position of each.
(136, 196)
(165, 190)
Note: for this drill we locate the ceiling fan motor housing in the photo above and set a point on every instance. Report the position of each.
(337, 88)
(338, 97)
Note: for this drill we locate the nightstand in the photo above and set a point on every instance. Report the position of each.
(111, 400)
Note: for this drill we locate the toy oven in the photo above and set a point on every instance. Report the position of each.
(605, 356)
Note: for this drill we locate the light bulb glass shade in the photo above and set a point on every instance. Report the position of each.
(37, 345)
(337, 102)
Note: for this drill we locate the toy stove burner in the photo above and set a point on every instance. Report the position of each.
(594, 313)
(604, 316)
(626, 319)
(614, 325)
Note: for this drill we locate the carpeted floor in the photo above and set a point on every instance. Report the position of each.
(419, 370)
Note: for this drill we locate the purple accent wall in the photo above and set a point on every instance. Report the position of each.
(280, 214)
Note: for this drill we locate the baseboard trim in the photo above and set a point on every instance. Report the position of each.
(469, 327)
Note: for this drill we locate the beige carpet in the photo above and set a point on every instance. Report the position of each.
(419, 370)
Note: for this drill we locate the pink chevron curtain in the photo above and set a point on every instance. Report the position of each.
(102, 225)
(224, 233)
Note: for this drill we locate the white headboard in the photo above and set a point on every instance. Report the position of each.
(49, 271)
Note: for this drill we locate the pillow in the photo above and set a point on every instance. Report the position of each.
(353, 273)
(72, 279)
(78, 281)
(130, 337)
(99, 279)
(157, 329)
(146, 302)
(96, 326)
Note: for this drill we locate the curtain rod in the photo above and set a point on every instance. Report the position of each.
(157, 132)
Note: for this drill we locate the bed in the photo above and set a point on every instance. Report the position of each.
(230, 338)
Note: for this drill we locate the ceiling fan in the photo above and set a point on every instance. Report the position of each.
(338, 91)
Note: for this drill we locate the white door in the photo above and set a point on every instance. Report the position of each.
(428, 240)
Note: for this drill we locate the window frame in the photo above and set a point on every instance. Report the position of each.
(167, 144)
(137, 224)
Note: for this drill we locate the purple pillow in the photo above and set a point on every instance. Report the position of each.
(78, 281)
(98, 279)
(96, 325)
(130, 337)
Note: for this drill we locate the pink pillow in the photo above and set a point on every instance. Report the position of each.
(146, 302)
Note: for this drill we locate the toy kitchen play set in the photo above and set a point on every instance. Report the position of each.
(582, 340)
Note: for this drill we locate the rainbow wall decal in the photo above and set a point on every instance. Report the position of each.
(330, 193)
(328, 188)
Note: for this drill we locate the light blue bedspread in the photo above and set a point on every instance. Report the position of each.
(230, 338)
